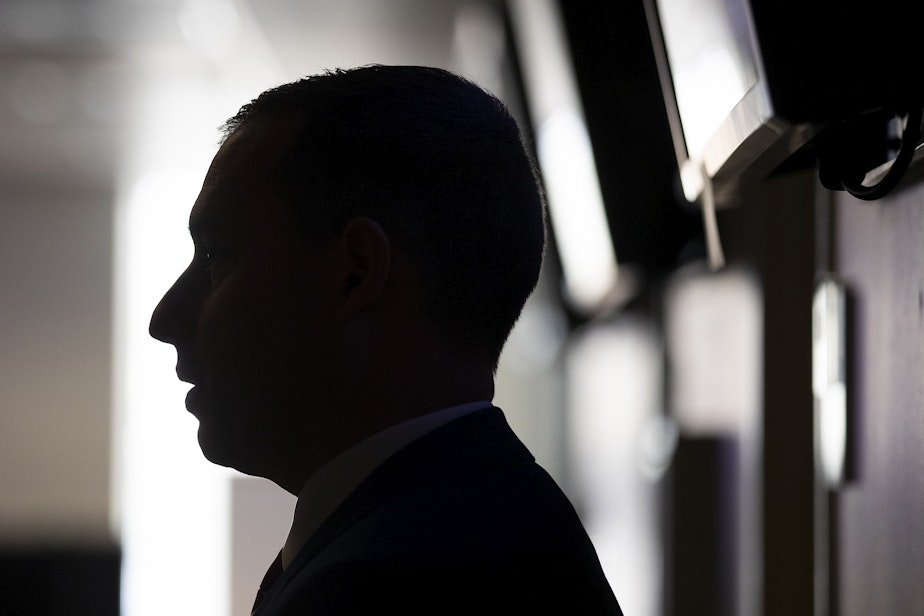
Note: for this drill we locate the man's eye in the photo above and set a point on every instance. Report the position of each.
(212, 259)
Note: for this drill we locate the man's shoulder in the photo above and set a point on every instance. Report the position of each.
(473, 472)
(361, 587)
(466, 514)
(468, 483)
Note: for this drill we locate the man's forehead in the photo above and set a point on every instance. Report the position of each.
(249, 148)
(244, 164)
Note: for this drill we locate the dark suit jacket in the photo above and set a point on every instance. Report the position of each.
(462, 521)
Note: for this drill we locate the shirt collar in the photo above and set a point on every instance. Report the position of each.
(327, 488)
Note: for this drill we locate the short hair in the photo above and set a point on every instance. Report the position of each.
(440, 164)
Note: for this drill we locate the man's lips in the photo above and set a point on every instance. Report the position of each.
(194, 400)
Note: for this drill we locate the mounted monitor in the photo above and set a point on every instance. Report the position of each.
(748, 84)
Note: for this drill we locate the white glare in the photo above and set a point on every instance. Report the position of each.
(614, 383)
(171, 503)
(713, 324)
(212, 26)
(829, 382)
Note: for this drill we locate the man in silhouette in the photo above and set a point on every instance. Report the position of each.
(364, 243)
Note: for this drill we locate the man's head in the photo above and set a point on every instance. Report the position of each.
(439, 164)
(364, 238)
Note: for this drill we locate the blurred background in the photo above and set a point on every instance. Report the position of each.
(670, 395)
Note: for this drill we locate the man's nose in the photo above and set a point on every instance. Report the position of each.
(170, 319)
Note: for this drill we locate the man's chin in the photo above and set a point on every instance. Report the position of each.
(217, 450)
(223, 451)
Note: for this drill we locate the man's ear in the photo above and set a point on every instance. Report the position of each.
(368, 264)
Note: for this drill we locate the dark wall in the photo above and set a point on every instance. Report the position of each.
(774, 232)
(879, 517)
(61, 581)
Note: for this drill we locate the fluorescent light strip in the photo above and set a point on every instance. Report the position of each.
(576, 208)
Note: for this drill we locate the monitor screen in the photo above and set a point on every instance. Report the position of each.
(723, 122)
(712, 64)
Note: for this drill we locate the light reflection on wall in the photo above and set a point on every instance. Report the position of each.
(614, 383)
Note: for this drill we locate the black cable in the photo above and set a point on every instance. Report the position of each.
(910, 136)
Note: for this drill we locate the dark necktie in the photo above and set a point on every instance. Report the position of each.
(272, 574)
